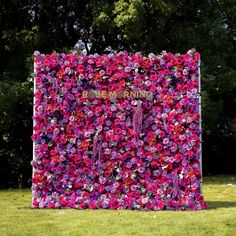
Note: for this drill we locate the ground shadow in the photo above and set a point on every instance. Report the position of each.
(211, 205)
(221, 204)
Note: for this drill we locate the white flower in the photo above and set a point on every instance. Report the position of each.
(185, 72)
(144, 200)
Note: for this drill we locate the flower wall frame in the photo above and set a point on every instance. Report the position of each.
(100, 142)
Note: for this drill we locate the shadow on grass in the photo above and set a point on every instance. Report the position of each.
(220, 204)
(211, 205)
(219, 180)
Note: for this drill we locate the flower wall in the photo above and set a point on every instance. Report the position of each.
(117, 152)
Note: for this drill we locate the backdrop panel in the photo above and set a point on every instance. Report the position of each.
(117, 131)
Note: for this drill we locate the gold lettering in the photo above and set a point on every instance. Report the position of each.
(149, 95)
(104, 94)
(126, 94)
(112, 94)
(142, 94)
(91, 93)
(97, 93)
(85, 94)
(133, 94)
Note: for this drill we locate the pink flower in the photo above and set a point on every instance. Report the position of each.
(87, 153)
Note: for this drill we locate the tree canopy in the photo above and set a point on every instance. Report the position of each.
(100, 26)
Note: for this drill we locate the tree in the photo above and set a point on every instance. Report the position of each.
(134, 25)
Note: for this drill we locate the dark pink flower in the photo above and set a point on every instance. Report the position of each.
(87, 152)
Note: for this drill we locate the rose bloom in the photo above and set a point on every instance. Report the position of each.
(123, 168)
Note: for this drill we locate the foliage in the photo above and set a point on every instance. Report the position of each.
(134, 25)
(15, 126)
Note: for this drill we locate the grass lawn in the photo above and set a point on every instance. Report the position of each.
(17, 218)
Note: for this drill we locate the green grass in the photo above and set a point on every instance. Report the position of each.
(17, 218)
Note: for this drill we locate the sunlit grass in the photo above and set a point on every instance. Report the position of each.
(17, 218)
